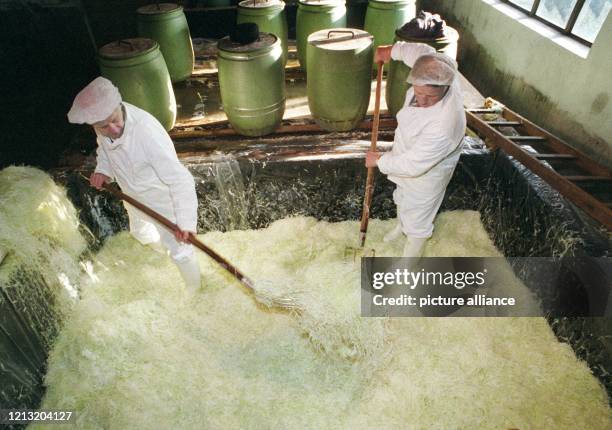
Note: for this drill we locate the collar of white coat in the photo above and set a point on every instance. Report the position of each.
(128, 124)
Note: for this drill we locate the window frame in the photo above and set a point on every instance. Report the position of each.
(567, 31)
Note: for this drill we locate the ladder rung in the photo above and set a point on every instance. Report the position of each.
(588, 178)
(503, 123)
(527, 138)
(554, 156)
(484, 110)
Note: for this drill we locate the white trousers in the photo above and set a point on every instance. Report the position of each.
(416, 219)
(148, 232)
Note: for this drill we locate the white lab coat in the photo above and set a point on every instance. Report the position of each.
(143, 162)
(425, 150)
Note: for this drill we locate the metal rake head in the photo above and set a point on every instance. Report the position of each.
(358, 252)
(270, 299)
(286, 302)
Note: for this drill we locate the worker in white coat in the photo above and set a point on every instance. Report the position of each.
(135, 151)
(427, 143)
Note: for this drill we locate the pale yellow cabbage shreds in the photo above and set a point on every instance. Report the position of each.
(31, 202)
(39, 230)
(138, 353)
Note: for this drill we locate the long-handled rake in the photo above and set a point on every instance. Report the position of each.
(369, 188)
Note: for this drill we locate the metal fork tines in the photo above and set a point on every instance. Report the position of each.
(286, 302)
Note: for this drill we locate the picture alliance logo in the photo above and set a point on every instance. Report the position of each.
(410, 279)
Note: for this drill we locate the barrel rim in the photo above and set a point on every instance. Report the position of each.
(277, 41)
(154, 46)
(250, 6)
(130, 62)
(321, 3)
(392, 2)
(149, 9)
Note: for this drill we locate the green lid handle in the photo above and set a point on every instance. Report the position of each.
(341, 31)
(126, 42)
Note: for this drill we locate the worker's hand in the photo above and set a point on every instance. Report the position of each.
(183, 235)
(383, 53)
(372, 158)
(96, 180)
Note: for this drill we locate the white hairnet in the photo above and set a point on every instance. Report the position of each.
(96, 102)
(433, 69)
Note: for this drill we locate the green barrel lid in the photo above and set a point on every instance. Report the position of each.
(341, 39)
(127, 48)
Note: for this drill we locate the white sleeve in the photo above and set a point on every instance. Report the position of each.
(161, 154)
(409, 52)
(431, 149)
(102, 164)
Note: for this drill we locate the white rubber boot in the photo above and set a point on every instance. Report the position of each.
(393, 234)
(158, 247)
(190, 272)
(414, 246)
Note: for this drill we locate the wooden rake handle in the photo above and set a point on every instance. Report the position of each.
(192, 239)
(369, 188)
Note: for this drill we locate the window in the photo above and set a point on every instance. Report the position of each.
(578, 19)
(557, 12)
(591, 18)
(524, 4)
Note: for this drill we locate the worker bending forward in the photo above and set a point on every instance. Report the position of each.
(427, 143)
(136, 151)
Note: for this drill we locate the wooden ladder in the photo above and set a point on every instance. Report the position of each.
(577, 177)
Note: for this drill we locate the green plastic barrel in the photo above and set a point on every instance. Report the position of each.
(166, 24)
(338, 78)
(384, 17)
(252, 82)
(137, 67)
(395, 93)
(315, 15)
(270, 17)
